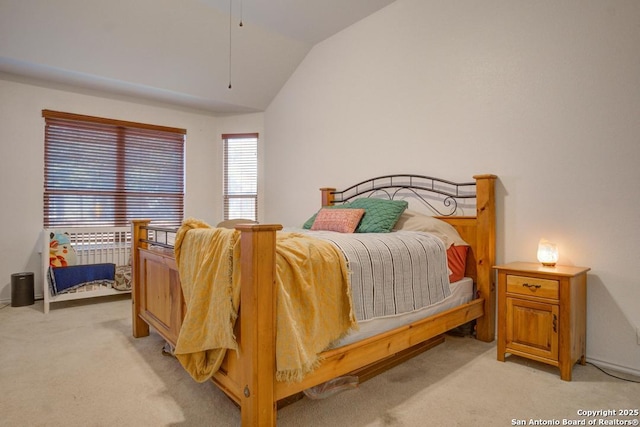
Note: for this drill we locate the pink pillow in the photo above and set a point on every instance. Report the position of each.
(340, 220)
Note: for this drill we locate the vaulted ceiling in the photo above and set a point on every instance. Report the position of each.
(184, 52)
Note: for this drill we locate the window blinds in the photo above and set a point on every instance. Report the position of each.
(102, 172)
(240, 176)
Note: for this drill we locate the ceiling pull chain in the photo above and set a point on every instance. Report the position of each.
(231, 31)
(230, 13)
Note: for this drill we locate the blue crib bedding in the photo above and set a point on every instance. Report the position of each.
(66, 279)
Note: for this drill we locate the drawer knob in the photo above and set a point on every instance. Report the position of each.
(529, 285)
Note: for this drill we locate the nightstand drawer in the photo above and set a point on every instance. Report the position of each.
(532, 286)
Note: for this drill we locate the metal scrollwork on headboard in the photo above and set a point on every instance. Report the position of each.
(427, 189)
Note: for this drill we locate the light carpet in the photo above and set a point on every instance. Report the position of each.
(80, 366)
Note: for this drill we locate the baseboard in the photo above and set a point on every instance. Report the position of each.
(8, 300)
(614, 367)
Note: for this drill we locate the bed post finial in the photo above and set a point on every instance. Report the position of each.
(486, 254)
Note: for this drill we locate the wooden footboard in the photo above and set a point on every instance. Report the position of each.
(250, 378)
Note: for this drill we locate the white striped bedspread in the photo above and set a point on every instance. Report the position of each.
(392, 273)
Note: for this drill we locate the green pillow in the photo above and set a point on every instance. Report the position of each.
(380, 214)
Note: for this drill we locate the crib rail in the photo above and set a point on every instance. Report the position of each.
(93, 246)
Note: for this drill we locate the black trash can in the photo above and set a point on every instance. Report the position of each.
(21, 289)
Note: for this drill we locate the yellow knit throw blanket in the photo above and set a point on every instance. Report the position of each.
(313, 299)
(211, 290)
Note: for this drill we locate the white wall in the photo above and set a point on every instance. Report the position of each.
(22, 154)
(544, 94)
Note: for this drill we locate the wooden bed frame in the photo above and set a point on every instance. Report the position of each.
(249, 378)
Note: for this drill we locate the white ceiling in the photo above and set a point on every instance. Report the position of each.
(309, 21)
(158, 51)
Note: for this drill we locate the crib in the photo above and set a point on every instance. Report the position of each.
(86, 246)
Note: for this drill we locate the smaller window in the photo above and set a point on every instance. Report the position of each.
(240, 176)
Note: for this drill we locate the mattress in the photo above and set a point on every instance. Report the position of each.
(461, 293)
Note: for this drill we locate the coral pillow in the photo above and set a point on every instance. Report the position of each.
(457, 260)
(340, 220)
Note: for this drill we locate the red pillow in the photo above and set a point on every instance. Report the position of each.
(457, 260)
(340, 220)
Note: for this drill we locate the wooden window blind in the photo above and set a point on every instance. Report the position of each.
(240, 170)
(103, 172)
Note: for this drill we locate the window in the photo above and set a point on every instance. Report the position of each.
(102, 172)
(240, 176)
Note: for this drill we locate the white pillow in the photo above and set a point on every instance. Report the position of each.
(414, 221)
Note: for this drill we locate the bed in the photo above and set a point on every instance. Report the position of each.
(248, 377)
(85, 262)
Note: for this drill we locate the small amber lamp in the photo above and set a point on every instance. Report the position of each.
(547, 253)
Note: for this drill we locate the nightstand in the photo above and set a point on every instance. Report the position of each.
(542, 313)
